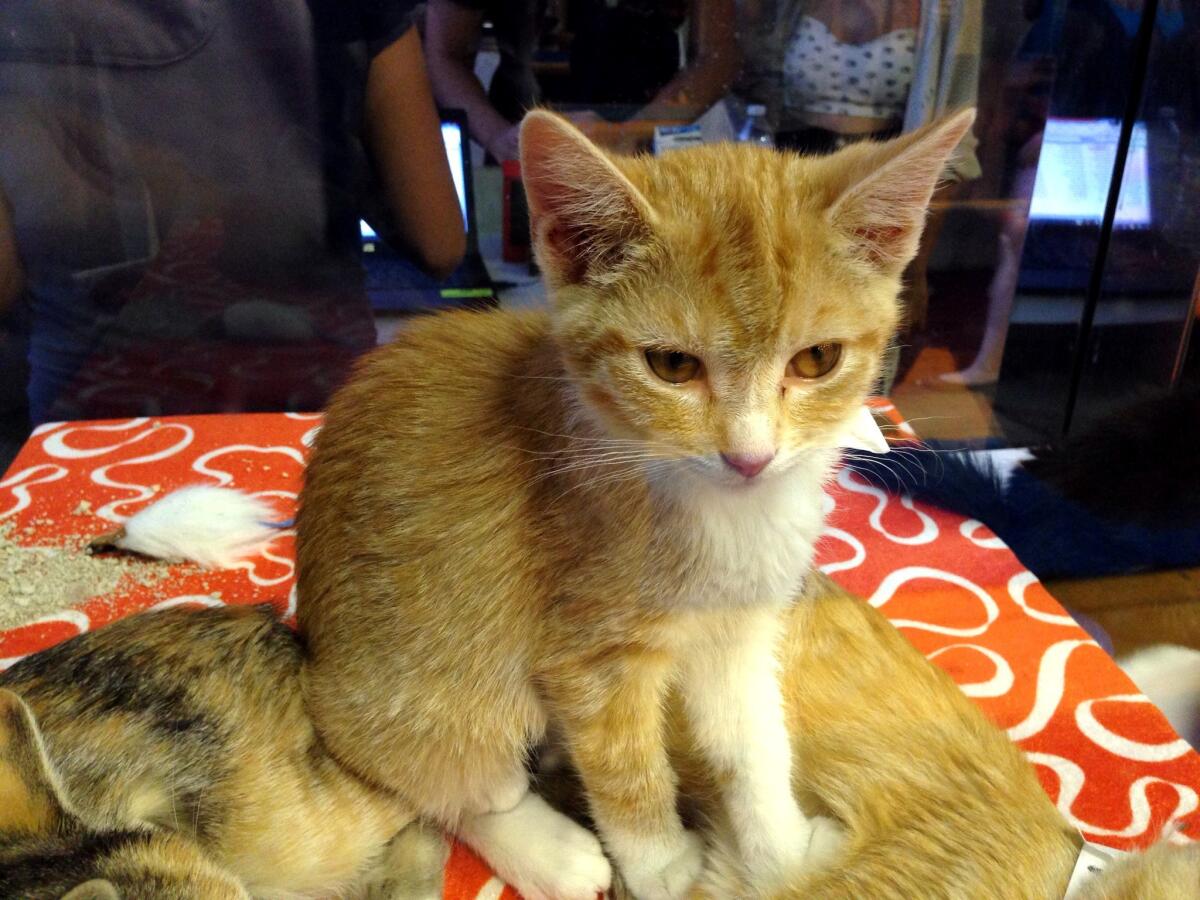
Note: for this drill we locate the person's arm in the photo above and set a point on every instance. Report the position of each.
(715, 58)
(404, 134)
(12, 276)
(452, 33)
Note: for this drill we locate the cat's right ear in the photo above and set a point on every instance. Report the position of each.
(588, 221)
(885, 190)
(31, 800)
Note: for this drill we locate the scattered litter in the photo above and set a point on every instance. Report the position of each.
(36, 581)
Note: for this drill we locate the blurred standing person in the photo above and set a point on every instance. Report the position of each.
(453, 30)
(183, 185)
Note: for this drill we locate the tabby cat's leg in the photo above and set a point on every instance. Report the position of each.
(611, 716)
(410, 868)
(731, 693)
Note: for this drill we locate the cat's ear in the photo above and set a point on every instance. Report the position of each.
(887, 188)
(31, 800)
(588, 221)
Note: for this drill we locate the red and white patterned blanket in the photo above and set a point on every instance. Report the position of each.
(1104, 753)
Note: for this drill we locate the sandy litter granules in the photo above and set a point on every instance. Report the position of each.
(36, 581)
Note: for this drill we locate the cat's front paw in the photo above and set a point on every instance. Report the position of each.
(665, 873)
(540, 852)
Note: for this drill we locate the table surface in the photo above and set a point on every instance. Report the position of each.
(1102, 751)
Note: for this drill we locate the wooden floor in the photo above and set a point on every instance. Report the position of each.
(1139, 610)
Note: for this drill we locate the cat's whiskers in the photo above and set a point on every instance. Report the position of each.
(565, 452)
(174, 811)
(895, 467)
(589, 439)
(630, 473)
(566, 378)
(196, 812)
(595, 463)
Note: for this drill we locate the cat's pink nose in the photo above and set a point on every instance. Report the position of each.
(748, 465)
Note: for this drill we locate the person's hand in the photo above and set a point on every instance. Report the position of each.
(506, 144)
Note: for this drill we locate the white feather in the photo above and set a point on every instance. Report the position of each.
(212, 526)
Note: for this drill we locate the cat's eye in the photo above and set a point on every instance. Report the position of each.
(673, 366)
(815, 361)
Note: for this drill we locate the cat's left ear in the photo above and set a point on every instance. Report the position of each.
(31, 800)
(588, 221)
(881, 210)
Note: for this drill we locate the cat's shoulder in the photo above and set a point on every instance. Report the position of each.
(455, 338)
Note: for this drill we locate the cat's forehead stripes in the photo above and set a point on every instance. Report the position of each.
(747, 244)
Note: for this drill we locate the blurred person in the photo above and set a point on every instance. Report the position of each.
(182, 185)
(624, 53)
(1096, 35)
(835, 71)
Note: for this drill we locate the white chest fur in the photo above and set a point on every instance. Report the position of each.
(752, 545)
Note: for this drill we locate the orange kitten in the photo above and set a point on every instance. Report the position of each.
(518, 519)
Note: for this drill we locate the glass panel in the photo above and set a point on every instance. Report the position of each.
(1137, 342)
(204, 214)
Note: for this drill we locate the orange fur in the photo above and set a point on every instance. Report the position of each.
(510, 520)
(934, 800)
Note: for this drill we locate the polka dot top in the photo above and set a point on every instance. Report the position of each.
(824, 75)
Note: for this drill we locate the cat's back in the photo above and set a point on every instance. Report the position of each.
(172, 667)
(426, 448)
(434, 410)
(142, 717)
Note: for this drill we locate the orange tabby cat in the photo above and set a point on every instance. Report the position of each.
(517, 519)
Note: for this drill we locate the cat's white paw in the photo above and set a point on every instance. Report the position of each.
(828, 838)
(668, 872)
(540, 852)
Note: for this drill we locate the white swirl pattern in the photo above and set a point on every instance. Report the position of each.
(1051, 684)
(929, 530)
(895, 580)
(1123, 746)
(20, 482)
(968, 529)
(998, 685)
(897, 552)
(100, 476)
(1071, 781)
(1017, 585)
(224, 478)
